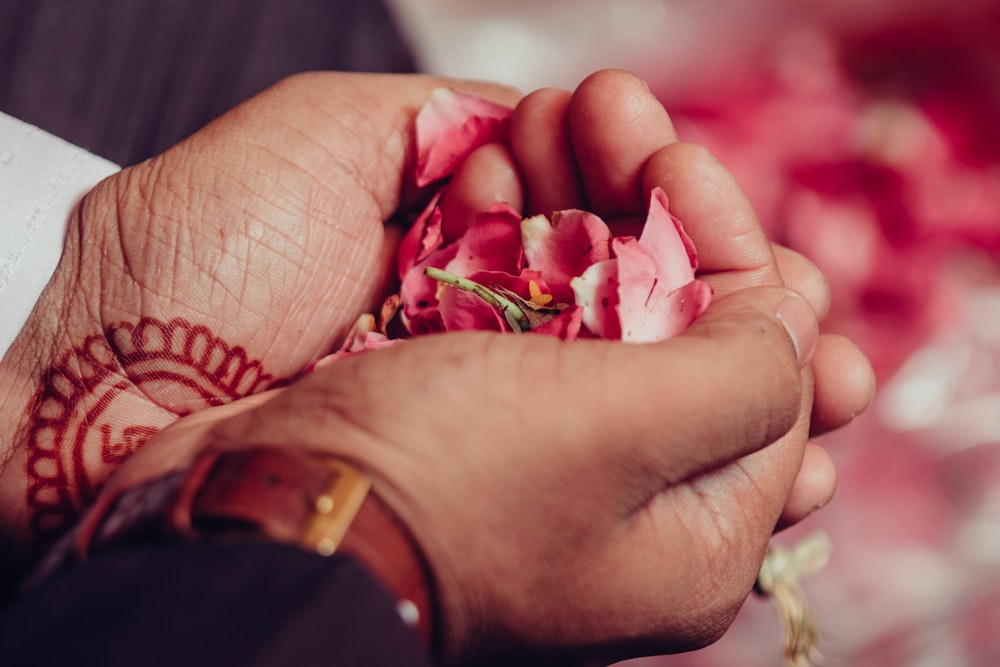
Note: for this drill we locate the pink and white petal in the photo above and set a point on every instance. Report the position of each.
(364, 336)
(423, 238)
(665, 241)
(450, 126)
(492, 243)
(667, 314)
(650, 309)
(564, 247)
(596, 292)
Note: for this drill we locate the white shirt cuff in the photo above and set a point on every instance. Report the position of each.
(42, 178)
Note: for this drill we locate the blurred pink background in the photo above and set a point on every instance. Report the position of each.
(867, 134)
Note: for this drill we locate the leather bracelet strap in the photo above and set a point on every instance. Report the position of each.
(308, 499)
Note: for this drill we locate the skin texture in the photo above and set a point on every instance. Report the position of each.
(240, 255)
(221, 268)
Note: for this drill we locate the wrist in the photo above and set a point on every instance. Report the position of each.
(89, 380)
(31, 362)
(311, 501)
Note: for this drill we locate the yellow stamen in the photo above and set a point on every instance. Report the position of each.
(537, 297)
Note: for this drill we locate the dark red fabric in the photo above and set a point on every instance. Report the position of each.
(208, 604)
(127, 79)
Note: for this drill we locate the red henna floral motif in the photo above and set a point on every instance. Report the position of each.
(82, 423)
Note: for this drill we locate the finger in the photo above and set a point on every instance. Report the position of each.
(628, 419)
(540, 139)
(486, 177)
(616, 124)
(733, 251)
(844, 379)
(801, 275)
(727, 387)
(813, 488)
(845, 383)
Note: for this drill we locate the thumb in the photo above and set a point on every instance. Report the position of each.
(727, 387)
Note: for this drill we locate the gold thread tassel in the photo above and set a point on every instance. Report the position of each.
(779, 579)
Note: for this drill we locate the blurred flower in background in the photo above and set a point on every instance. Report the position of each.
(867, 135)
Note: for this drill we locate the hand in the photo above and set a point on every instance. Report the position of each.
(602, 148)
(571, 499)
(211, 272)
(595, 499)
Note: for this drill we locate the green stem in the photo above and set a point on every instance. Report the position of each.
(513, 313)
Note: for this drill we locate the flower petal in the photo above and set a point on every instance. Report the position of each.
(650, 308)
(363, 337)
(492, 243)
(564, 247)
(464, 311)
(566, 325)
(665, 241)
(423, 238)
(461, 310)
(597, 294)
(450, 126)
(419, 294)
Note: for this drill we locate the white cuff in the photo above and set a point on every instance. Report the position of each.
(42, 178)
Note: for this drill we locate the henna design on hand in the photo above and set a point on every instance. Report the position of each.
(105, 398)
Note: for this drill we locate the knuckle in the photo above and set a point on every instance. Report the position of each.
(691, 152)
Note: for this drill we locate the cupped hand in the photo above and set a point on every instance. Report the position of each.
(594, 499)
(214, 271)
(586, 500)
(604, 147)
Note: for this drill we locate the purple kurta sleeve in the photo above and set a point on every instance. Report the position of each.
(207, 604)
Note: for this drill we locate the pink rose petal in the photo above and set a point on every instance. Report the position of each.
(419, 294)
(658, 294)
(651, 309)
(664, 239)
(363, 337)
(566, 325)
(492, 243)
(462, 310)
(450, 126)
(596, 292)
(423, 238)
(564, 247)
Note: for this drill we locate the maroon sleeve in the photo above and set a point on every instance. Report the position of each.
(205, 604)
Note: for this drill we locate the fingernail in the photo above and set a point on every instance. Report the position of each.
(799, 321)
